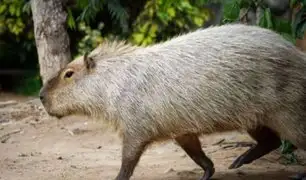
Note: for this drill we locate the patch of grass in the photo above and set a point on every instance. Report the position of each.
(287, 151)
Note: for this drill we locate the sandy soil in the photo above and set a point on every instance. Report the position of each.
(36, 147)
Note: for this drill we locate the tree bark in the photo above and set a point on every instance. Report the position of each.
(51, 37)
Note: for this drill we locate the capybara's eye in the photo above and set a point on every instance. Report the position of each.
(68, 74)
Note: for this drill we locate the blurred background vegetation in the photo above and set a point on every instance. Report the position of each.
(141, 22)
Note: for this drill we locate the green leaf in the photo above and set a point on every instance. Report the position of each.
(138, 37)
(2, 8)
(185, 5)
(298, 25)
(27, 7)
(268, 18)
(198, 21)
(144, 27)
(262, 18)
(282, 25)
(293, 3)
(171, 12)
(300, 30)
(118, 13)
(12, 9)
(288, 37)
(231, 10)
(70, 19)
(153, 30)
(163, 17)
(18, 12)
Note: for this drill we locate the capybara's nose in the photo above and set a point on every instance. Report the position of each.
(41, 97)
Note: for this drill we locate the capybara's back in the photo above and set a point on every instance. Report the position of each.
(231, 77)
(223, 78)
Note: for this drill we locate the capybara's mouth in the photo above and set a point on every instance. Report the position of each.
(56, 115)
(59, 116)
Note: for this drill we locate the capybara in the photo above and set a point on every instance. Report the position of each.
(232, 77)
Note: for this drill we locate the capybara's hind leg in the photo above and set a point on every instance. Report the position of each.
(132, 150)
(267, 141)
(192, 146)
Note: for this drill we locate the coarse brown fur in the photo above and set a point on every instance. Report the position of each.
(231, 77)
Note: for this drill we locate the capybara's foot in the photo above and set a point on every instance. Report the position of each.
(267, 141)
(192, 146)
(208, 173)
(299, 176)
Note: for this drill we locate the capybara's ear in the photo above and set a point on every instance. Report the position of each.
(89, 62)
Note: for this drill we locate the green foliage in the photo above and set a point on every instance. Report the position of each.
(286, 147)
(300, 22)
(91, 39)
(162, 19)
(11, 16)
(290, 30)
(287, 151)
(231, 11)
(90, 9)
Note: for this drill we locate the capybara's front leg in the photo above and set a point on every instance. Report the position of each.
(192, 146)
(132, 150)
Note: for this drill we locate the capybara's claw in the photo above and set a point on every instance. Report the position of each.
(208, 173)
(237, 163)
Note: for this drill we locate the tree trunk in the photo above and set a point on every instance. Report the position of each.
(51, 37)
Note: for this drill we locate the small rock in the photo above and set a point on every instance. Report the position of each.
(4, 121)
(169, 170)
(33, 123)
(186, 173)
(77, 131)
(60, 158)
(7, 103)
(99, 147)
(183, 155)
(35, 153)
(5, 138)
(71, 133)
(22, 155)
(196, 169)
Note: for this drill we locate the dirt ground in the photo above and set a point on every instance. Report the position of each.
(36, 147)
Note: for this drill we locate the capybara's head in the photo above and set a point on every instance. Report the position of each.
(66, 92)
